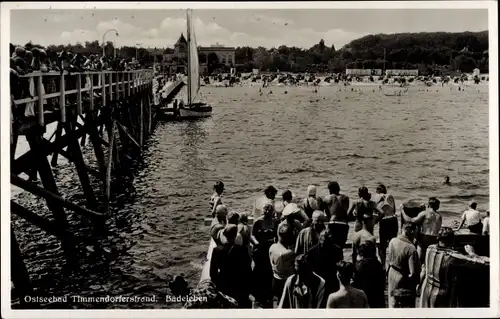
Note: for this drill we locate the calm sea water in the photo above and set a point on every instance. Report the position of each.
(409, 143)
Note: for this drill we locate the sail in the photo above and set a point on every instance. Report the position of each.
(193, 63)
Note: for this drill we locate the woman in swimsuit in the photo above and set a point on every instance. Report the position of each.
(311, 203)
(362, 207)
(264, 232)
(388, 227)
(215, 199)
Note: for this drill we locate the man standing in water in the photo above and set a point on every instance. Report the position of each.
(347, 296)
(430, 222)
(336, 207)
(403, 266)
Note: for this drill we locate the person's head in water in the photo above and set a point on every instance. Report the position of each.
(409, 230)
(434, 203)
(381, 189)
(230, 232)
(334, 188)
(447, 180)
(303, 267)
(311, 191)
(363, 193)
(473, 205)
(318, 220)
(270, 192)
(367, 250)
(268, 210)
(287, 196)
(345, 271)
(233, 218)
(219, 187)
(221, 214)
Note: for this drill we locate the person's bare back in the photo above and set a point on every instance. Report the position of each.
(338, 206)
(348, 298)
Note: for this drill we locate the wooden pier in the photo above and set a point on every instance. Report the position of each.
(113, 110)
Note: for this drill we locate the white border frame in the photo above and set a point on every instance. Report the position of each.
(493, 311)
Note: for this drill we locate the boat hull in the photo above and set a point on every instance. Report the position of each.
(194, 112)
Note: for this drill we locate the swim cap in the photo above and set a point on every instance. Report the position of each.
(311, 190)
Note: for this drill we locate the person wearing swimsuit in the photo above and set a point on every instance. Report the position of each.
(336, 206)
(311, 202)
(364, 207)
(388, 227)
(430, 222)
(264, 232)
(215, 199)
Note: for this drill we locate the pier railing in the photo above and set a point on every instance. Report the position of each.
(70, 88)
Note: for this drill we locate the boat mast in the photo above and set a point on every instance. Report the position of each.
(188, 56)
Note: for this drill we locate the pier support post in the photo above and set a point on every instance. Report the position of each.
(77, 157)
(141, 122)
(58, 137)
(19, 273)
(49, 183)
(109, 165)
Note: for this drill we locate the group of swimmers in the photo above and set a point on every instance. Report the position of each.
(297, 249)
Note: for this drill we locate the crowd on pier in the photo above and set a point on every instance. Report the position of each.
(293, 254)
(24, 61)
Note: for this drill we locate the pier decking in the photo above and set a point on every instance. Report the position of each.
(114, 110)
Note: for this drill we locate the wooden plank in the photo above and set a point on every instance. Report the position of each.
(53, 198)
(40, 101)
(149, 114)
(129, 76)
(141, 123)
(79, 94)
(76, 154)
(96, 143)
(58, 132)
(125, 130)
(91, 106)
(48, 226)
(110, 86)
(62, 99)
(49, 192)
(108, 168)
(103, 84)
(23, 163)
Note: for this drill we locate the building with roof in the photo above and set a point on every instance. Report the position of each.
(176, 60)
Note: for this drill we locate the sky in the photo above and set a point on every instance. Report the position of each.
(267, 28)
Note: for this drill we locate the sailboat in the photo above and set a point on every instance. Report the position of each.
(193, 109)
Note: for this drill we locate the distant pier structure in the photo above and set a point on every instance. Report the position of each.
(113, 110)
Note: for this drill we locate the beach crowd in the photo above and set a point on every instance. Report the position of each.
(293, 254)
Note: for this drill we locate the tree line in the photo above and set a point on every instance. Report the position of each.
(428, 52)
